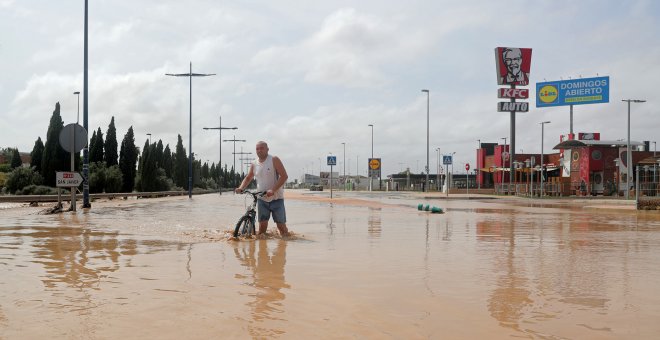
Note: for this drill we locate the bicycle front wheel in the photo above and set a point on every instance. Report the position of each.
(244, 227)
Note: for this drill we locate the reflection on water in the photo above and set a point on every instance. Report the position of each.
(482, 270)
(374, 227)
(267, 276)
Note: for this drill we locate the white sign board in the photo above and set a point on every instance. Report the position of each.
(68, 179)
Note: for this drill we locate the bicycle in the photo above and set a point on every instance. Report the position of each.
(246, 224)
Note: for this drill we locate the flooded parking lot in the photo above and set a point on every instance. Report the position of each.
(360, 266)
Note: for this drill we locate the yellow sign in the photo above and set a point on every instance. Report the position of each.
(374, 164)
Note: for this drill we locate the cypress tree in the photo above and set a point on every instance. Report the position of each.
(111, 144)
(180, 165)
(96, 150)
(16, 159)
(54, 158)
(127, 160)
(167, 161)
(37, 154)
(158, 155)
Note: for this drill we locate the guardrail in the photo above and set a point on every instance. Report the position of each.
(66, 197)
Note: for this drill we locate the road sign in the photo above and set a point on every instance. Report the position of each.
(573, 92)
(467, 166)
(374, 167)
(68, 179)
(512, 106)
(512, 93)
(69, 133)
(332, 160)
(446, 160)
(374, 163)
(505, 155)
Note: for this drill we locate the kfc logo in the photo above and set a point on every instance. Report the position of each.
(513, 65)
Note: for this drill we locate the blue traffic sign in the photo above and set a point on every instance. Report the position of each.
(446, 160)
(332, 160)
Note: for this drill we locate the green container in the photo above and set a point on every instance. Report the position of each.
(420, 206)
(436, 210)
(427, 208)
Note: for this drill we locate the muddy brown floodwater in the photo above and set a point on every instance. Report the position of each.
(359, 266)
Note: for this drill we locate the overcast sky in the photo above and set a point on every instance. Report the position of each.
(307, 76)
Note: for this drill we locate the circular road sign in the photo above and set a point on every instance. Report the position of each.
(73, 135)
(374, 164)
(467, 166)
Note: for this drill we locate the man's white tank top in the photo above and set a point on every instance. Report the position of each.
(266, 177)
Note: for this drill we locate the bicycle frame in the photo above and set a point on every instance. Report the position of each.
(248, 220)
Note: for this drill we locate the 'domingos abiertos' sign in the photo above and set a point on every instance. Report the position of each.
(573, 92)
(513, 65)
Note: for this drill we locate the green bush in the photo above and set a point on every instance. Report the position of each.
(113, 179)
(37, 190)
(97, 176)
(22, 177)
(5, 168)
(3, 179)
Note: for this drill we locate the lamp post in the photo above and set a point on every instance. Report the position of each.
(628, 151)
(542, 131)
(477, 167)
(149, 134)
(437, 170)
(372, 157)
(220, 128)
(452, 171)
(344, 144)
(78, 117)
(503, 163)
(190, 75)
(234, 153)
(428, 95)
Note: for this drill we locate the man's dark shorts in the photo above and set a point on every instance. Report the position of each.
(276, 207)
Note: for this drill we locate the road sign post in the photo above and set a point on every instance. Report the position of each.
(332, 161)
(73, 138)
(467, 179)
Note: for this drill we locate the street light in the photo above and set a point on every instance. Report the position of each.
(503, 163)
(542, 131)
(428, 95)
(148, 134)
(344, 144)
(477, 167)
(372, 157)
(628, 151)
(220, 128)
(78, 117)
(437, 170)
(190, 75)
(234, 153)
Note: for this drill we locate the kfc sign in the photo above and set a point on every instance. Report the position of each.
(512, 107)
(513, 93)
(513, 65)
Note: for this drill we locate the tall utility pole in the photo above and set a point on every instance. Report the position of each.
(542, 128)
(234, 153)
(241, 157)
(344, 144)
(503, 163)
(437, 170)
(220, 128)
(628, 150)
(85, 176)
(190, 75)
(372, 157)
(428, 95)
(477, 167)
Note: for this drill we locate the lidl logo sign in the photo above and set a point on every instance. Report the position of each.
(548, 94)
(573, 92)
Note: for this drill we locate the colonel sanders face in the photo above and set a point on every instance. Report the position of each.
(512, 59)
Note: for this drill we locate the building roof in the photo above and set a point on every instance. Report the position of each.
(572, 144)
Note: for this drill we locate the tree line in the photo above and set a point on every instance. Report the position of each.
(154, 168)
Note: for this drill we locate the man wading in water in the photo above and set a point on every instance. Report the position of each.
(270, 175)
